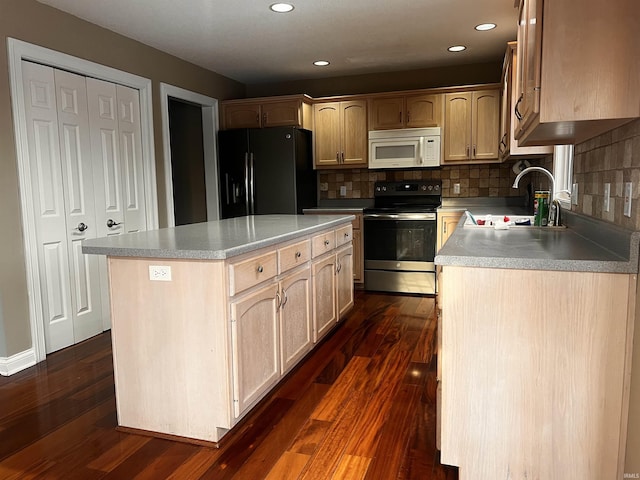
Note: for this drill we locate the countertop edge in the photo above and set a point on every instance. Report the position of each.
(219, 254)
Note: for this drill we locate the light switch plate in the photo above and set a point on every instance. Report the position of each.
(456, 188)
(607, 196)
(343, 191)
(628, 190)
(160, 273)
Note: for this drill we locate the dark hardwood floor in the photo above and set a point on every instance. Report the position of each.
(361, 406)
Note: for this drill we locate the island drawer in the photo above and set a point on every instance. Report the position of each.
(344, 235)
(293, 255)
(323, 243)
(247, 273)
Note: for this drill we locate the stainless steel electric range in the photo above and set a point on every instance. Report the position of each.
(400, 237)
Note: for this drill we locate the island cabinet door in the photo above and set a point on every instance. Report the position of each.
(296, 336)
(255, 340)
(344, 280)
(324, 295)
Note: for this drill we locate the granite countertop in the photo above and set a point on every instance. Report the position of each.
(213, 240)
(586, 245)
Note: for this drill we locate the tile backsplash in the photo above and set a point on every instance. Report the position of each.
(614, 158)
(483, 180)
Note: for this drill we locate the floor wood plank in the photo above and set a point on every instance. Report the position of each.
(361, 405)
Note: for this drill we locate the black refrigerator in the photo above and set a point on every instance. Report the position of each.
(265, 171)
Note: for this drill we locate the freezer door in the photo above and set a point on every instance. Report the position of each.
(233, 160)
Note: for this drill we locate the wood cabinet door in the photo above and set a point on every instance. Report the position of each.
(344, 280)
(386, 113)
(485, 121)
(282, 114)
(423, 111)
(255, 340)
(245, 115)
(354, 132)
(457, 129)
(296, 337)
(323, 285)
(530, 56)
(447, 223)
(326, 133)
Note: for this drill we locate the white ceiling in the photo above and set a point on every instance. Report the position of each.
(244, 40)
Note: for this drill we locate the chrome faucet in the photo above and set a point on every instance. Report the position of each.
(554, 213)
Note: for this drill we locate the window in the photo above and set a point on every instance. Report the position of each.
(563, 173)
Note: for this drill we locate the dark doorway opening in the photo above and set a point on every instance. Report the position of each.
(187, 162)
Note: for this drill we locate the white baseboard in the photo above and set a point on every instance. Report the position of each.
(18, 362)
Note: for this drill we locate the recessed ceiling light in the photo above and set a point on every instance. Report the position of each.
(321, 63)
(457, 48)
(485, 26)
(281, 7)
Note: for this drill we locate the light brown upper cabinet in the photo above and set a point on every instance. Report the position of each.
(406, 111)
(578, 69)
(290, 110)
(508, 146)
(471, 123)
(340, 134)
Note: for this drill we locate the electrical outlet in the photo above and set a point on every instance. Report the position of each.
(456, 188)
(574, 194)
(343, 191)
(607, 196)
(628, 189)
(160, 273)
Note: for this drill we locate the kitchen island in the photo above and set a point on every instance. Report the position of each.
(536, 349)
(208, 318)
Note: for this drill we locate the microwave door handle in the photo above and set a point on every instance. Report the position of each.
(420, 151)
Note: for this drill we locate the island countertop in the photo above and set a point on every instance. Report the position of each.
(586, 245)
(215, 240)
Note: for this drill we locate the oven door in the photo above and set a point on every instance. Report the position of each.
(399, 250)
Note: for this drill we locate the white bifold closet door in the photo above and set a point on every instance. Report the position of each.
(87, 182)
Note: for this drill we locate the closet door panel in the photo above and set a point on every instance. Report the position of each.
(75, 152)
(49, 204)
(105, 149)
(131, 155)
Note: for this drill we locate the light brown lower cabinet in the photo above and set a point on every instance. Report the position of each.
(534, 371)
(194, 354)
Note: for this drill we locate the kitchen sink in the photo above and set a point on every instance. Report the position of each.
(503, 221)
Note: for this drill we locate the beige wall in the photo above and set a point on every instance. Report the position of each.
(35, 23)
(384, 82)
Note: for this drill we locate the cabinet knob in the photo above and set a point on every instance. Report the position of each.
(260, 269)
(346, 235)
(298, 254)
(326, 243)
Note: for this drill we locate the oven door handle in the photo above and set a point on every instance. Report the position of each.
(400, 216)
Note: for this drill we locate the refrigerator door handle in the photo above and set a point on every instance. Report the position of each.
(252, 184)
(226, 183)
(246, 181)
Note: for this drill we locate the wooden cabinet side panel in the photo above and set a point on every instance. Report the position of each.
(523, 378)
(597, 49)
(167, 337)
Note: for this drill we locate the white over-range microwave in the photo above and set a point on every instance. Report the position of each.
(404, 148)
